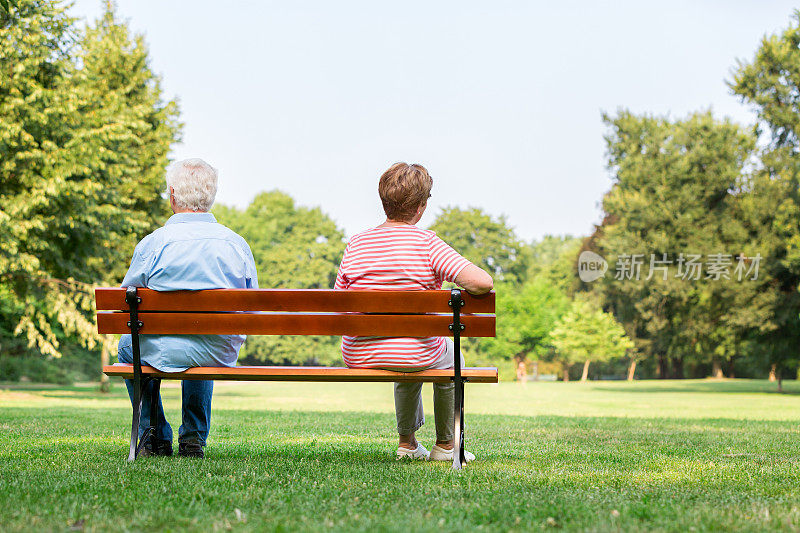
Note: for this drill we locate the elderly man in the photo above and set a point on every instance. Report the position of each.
(192, 251)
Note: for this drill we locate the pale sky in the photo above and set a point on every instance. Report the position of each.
(500, 100)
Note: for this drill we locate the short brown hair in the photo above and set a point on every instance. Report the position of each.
(403, 188)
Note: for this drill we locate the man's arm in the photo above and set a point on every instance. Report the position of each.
(138, 272)
(250, 268)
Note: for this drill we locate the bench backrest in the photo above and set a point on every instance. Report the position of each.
(296, 312)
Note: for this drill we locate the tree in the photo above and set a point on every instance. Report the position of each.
(675, 194)
(294, 248)
(586, 333)
(486, 241)
(75, 169)
(7, 4)
(554, 258)
(770, 82)
(134, 129)
(525, 316)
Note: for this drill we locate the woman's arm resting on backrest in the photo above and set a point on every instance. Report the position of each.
(446, 262)
(474, 279)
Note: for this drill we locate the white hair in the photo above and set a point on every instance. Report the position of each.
(194, 184)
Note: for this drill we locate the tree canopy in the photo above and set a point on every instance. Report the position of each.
(525, 316)
(770, 83)
(84, 137)
(485, 240)
(674, 199)
(294, 247)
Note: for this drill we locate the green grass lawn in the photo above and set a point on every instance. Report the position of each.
(677, 455)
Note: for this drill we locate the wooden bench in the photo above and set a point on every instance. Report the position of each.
(295, 312)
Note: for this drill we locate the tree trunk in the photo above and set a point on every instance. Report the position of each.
(585, 374)
(662, 367)
(772, 373)
(716, 369)
(105, 384)
(565, 373)
(631, 370)
(731, 373)
(677, 367)
(535, 370)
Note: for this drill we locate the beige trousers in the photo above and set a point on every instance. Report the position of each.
(408, 401)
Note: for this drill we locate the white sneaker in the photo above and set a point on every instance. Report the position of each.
(438, 453)
(419, 453)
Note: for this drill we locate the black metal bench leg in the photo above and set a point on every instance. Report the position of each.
(458, 433)
(138, 443)
(463, 426)
(137, 411)
(155, 401)
(458, 415)
(139, 383)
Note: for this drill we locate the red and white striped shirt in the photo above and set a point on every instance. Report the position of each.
(396, 258)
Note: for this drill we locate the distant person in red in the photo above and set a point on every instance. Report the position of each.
(522, 372)
(397, 255)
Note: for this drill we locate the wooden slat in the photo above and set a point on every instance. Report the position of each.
(309, 300)
(297, 324)
(301, 373)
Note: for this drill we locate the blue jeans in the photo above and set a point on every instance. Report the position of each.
(195, 411)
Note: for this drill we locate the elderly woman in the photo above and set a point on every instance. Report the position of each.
(397, 255)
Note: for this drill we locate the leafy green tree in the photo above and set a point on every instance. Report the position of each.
(294, 248)
(6, 5)
(555, 258)
(675, 192)
(770, 83)
(525, 316)
(586, 333)
(34, 115)
(486, 241)
(75, 171)
(123, 109)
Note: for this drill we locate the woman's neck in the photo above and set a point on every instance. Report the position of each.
(395, 223)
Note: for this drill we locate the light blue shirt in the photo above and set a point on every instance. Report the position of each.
(190, 252)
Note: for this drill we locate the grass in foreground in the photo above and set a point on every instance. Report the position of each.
(598, 456)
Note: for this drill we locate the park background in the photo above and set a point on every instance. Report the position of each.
(87, 131)
(628, 130)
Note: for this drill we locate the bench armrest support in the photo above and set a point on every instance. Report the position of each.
(456, 302)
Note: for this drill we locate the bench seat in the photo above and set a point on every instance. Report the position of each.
(306, 373)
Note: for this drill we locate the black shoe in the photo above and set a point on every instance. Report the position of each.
(190, 449)
(156, 447)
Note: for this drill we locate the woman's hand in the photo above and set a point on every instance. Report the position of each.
(475, 280)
